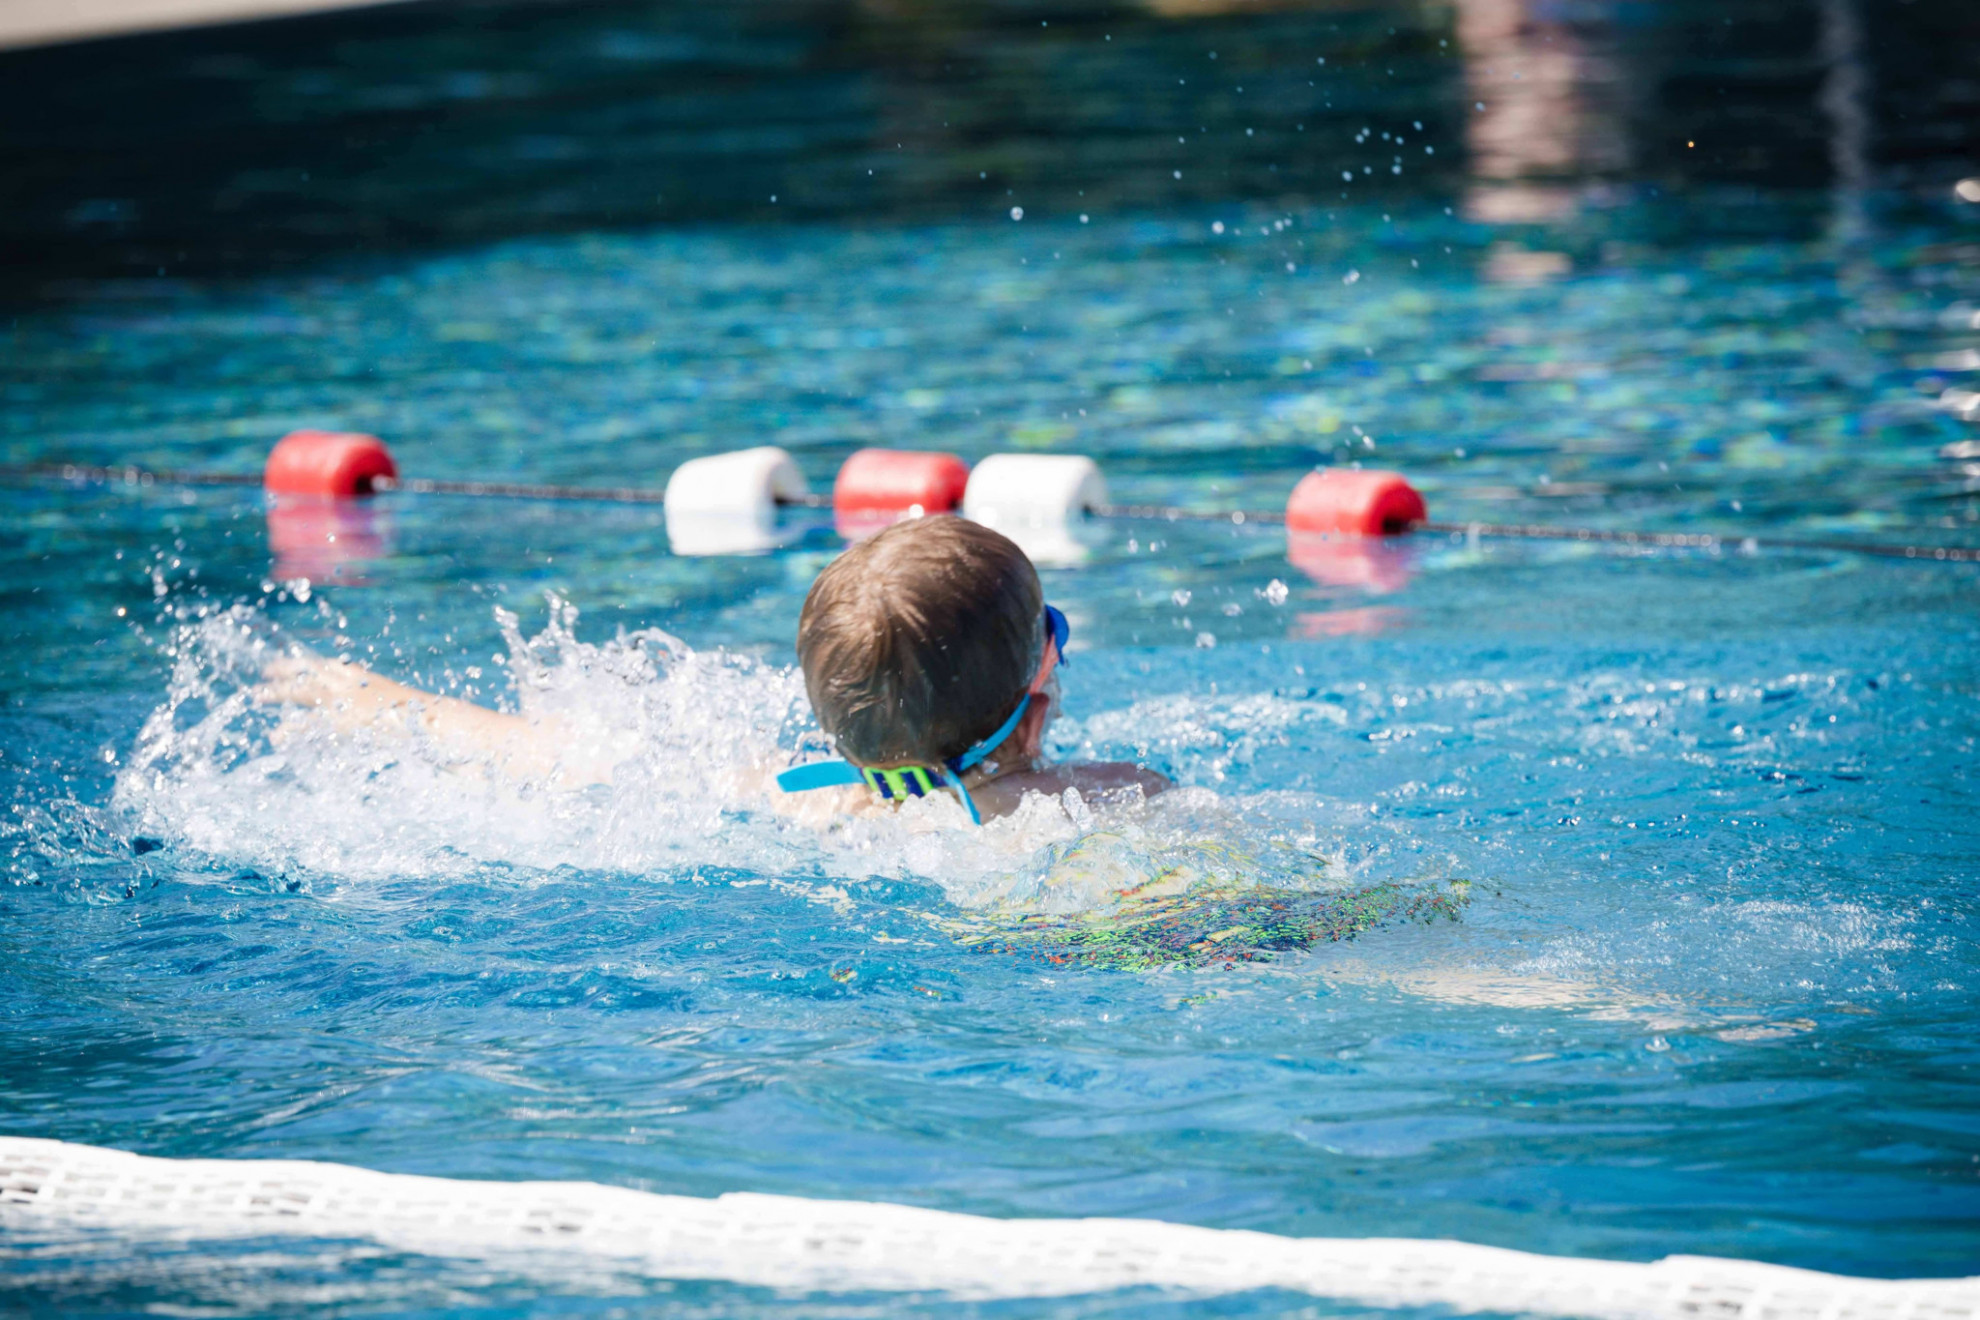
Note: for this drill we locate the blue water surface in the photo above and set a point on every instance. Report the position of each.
(1709, 980)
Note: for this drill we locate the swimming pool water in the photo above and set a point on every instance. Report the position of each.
(1701, 827)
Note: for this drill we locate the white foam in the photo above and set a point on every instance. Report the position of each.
(692, 739)
(554, 1228)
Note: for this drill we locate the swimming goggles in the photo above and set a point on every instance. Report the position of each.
(920, 780)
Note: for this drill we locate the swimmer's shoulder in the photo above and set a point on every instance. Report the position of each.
(1099, 782)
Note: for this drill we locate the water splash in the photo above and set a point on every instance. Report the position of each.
(693, 739)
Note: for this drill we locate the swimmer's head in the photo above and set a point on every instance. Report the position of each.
(918, 643)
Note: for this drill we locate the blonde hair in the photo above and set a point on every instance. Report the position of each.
(918, 643)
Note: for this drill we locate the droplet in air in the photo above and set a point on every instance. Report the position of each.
(1082, 217)
(1351, 277)
(1216, 226)
(1017, 213)
(1967, 190)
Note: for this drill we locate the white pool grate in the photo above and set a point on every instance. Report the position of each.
(794, 1243)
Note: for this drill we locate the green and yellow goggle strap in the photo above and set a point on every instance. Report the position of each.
(906, 782)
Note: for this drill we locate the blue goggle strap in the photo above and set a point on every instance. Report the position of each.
(1061, 631)
(819, 774)
(955, 782)
(990, 744)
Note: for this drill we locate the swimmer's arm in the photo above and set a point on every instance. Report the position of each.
(1097, 781)
(353, 698)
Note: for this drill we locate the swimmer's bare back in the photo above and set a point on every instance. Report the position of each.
(1099, 782)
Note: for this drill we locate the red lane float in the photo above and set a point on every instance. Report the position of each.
(1352, 502)
(1331, 518)
(338, 464)
(878, 487)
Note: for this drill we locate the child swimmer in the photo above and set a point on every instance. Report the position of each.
(928, 653)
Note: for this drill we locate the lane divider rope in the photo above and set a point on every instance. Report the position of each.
(564, 1230)
(1710, 541)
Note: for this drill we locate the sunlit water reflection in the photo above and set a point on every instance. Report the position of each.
(1702, 825)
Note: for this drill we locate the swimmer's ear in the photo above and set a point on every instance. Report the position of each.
(1031, 729)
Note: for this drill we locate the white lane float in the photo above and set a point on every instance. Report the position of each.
(1037, 500)
(726, 504)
